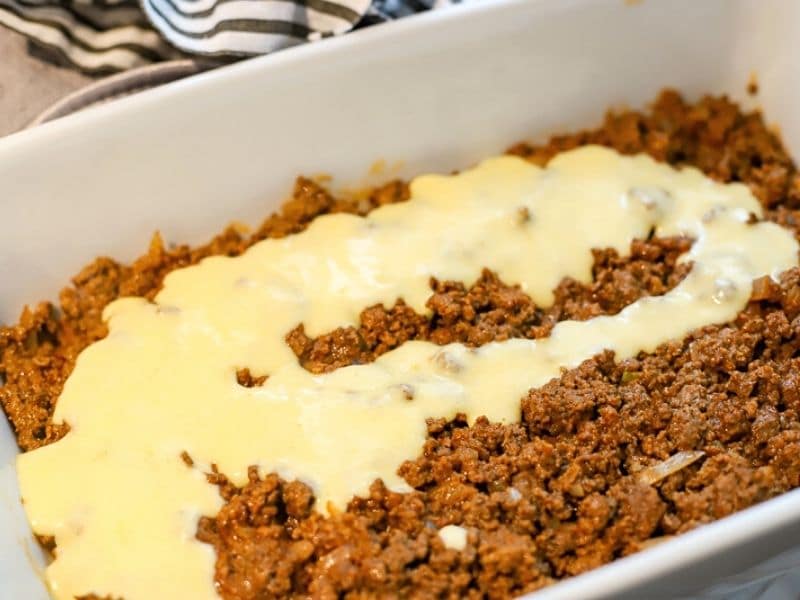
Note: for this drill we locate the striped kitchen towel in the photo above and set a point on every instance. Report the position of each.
(103, 36)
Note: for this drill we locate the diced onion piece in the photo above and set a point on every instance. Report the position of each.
(664, 469)
(654, 541)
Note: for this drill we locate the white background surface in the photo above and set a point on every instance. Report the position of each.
(29, 85)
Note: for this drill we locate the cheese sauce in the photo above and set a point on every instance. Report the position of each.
(123, 506)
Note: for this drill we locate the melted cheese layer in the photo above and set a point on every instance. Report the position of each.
(114, 492)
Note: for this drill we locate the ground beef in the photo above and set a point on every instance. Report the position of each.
(38, 353)
(490, 310)
(555, 495)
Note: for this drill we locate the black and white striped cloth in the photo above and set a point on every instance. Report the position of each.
(104, 36)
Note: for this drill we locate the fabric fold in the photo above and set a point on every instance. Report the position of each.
(105, 36)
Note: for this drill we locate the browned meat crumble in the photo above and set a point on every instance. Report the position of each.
(570, 487)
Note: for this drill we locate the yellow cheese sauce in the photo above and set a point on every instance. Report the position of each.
(123, 506)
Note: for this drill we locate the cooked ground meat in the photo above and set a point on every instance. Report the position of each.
(555, 495)
(38, 353)
(491, 310)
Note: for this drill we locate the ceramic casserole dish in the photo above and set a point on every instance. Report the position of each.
(433, 93)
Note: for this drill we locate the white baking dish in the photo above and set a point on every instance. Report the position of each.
(436, 92)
